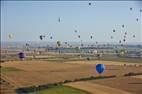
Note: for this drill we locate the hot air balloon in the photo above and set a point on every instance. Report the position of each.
(100, 68)
(125, 33)
(134, 36)
(41, 38)
(125, 36)
(91, 37)
(58, 43)
(21, 55)
(123, 26)
(78, 36)
(131, 8)
(137, 19)
(59, 19)
(75, 31)
(124, 40)
(27, 44)
(10, 36)
(89, 3)
(113, 30)
(51, 37)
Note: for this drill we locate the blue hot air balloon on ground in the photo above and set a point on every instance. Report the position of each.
(100, 68)
(21, 55)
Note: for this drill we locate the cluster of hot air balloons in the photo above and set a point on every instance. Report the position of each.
(125, 33)
(42, 37)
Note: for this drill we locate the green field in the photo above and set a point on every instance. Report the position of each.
(60, 90)
(9, 69)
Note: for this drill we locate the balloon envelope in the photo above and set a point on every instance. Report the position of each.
(100, 68)
(113, 30)
(58, 43)
(137, 19)
(89, 3)
(21, 55)
(10, 36)
(123, 25)
(59, 19)
(40, 37)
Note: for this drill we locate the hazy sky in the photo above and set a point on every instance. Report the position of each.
(26, 20)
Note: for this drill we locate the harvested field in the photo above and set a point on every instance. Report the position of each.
(96, 88)
(6, 87)
(41, 72)
(129, 84)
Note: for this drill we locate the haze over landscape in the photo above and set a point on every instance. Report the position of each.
(71, 47)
